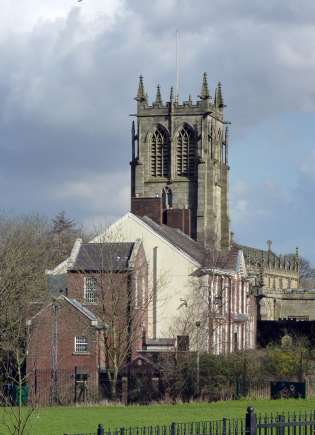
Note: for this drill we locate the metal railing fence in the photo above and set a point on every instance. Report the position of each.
(251, 424)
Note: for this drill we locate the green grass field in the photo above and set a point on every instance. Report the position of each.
(57, 421)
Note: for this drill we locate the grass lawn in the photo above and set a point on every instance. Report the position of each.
(57, 421)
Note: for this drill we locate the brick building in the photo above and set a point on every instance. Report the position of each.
(182, 269)
(101, 296)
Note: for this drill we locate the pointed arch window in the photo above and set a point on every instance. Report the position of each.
(185, 153)
(159, 154)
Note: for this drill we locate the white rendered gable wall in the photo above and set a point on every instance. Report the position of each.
(174, 268)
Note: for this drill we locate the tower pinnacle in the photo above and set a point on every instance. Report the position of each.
(204, 95)
(172, 95)
(141, 93)
(176, 148)
(218, 101)
(158, 98)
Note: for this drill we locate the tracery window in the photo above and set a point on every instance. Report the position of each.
(159, 154)
(185, 153)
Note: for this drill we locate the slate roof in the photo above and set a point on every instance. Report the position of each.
(194, 249)
(77, 305)
(81, 308)
(180, 240)
(105, 257)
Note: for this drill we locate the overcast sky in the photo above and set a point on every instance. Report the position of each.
(68, 76)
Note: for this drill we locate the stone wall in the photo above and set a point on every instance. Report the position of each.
(285, 305)
(205, 192)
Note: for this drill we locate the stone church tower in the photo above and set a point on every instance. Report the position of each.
(179, 166)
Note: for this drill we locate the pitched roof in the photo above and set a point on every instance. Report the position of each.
(258, 255)
(180, 240)
(77, 305)
(205, 257)
(81, 308)
(105, 257)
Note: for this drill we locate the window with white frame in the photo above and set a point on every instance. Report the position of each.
(90, 290)
(80, 344)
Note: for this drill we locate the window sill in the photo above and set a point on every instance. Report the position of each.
(157, 179)
(184, 178)
(81, 353)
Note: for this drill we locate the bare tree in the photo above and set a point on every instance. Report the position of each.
(115, 280)
(209, 307)
(25, 253)
(64, 232)
(307, 274)
(14, 388)
(24, 256)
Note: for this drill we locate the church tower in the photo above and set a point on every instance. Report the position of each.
(179, 166)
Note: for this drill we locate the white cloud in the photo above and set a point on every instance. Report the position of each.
(23, 16)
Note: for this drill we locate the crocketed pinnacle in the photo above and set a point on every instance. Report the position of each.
(218, 101)
(158, 98)
(204, 95)
(172, 95)
(141, 93)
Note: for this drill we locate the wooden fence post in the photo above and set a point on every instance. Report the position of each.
(250, 421)
(100, 429)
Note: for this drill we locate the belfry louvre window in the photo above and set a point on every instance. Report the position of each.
(80, 344)
(185, 153)
(159, 154)
(89, 290)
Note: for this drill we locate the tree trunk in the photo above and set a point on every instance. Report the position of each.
(114, 383)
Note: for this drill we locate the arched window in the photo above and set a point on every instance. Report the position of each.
(159, 154)
(185, 153)
(167, 197)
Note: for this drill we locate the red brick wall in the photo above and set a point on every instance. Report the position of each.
(151, 207)
(179, 218)
(117, 284)
(75, 286)
(106, 283)
(69, 322)
(65, 325)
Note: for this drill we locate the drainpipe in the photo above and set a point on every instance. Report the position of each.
(154, 289)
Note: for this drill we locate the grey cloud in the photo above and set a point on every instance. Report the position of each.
(66, 90)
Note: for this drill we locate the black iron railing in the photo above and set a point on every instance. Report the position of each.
(277, 424)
